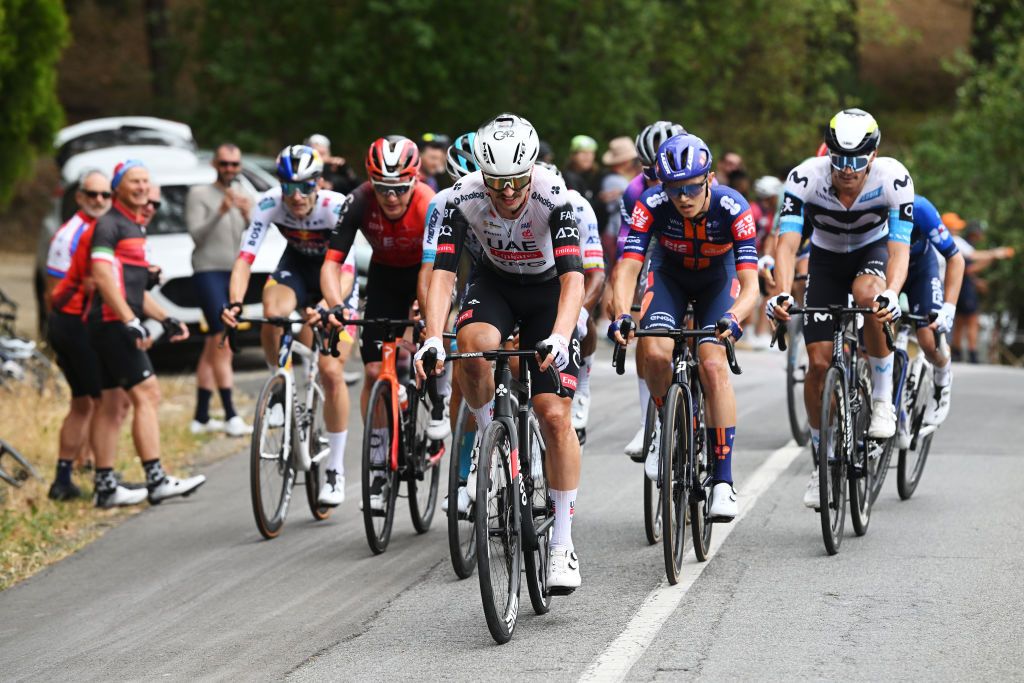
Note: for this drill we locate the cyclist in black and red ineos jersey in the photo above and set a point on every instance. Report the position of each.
(390, 209)
(531, 273)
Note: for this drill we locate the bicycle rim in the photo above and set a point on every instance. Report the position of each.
(377, 440)
(832, 463)
(796, 372)
(539, 515)
(864, 469)
(271, 475)
(497, 534)
(461, 531)
(676, 440)
(652, 492)
(423, 472)
(318, 445)
(911, 461)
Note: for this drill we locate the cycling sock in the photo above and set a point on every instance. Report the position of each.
(944, 375)
(466, 454)
(645, 396)
(155, 474)
(583, 388)
(225, 400)
(64, 471)
(484, 415)
(565, 508)
(203, 405)
(972, 357)
(378, 446)
(444, 381)
(816, 435)
(105, 480)
(881, 377)
(720, 439)
(336, 460)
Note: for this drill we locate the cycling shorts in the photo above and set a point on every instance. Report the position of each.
(301, 274)
(69, 337)
(122, 364)
(503, 304)
(830, 277)
(969, 302)
(390, 292)
(670, 289)
(211, 288)
(924, 287)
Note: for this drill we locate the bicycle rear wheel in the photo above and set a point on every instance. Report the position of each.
(378, 437)
(910, 463)
(318, 453)
(271, 475)
(676, 442)
(832, 462)
(424, 470)
(538, 517)
(461, 531)
(497, 533)
(23, 470)
(652, 492)
(866, 458)
(796, 372)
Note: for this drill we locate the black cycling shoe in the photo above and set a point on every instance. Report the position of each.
(59, 491)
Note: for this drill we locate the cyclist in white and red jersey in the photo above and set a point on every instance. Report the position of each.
(531, 275)
(304, 214)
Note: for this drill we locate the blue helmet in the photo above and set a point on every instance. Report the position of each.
(682, 157)
(298, 163)
(461, 161)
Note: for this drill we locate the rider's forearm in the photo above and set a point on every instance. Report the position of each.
(785, 260)
(151, 309)
(954, 277)
(239, 280)
(570, 300)
(750, 294)
(624, 284)
(330, 283)
(438, 301)
(106, 284)
(896, 270)
(348, 281)
(593, 286)
(423, 284)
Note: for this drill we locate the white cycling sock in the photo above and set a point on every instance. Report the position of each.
(583, 387)
(815, 436)
(484, 416)
(565, 508)
(944, 375)
(645, 397)
(881, 378)
(379, 446)
(444, 381)
(336, 460)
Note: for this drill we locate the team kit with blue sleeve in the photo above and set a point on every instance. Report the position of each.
(924, 285)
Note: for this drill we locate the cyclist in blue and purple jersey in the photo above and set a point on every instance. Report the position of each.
(647, 144)
(927, 292)
(704, 254)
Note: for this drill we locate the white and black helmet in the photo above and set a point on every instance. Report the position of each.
(506, 146)
(297, 163)
(651, 137)
(853, 132)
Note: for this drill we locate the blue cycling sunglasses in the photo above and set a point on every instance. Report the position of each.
(305, 188)
(688, 190)
(840, 162)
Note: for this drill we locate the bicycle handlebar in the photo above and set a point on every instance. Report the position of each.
(779, 336)
(325, 344)
(626, 327)
(541, 350)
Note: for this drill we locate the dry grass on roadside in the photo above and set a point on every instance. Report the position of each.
(35, 531)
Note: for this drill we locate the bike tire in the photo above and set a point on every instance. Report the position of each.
(498, 535)
(796, 371)
(676, 442)
(540, 521)
(269, 506)
(832, 470)
(652, 492)
(423, 473)
(461, 530)
(315, 477)
(864, 470)
(911, 461)
(24, 470)
(378, 523)
(700, 498)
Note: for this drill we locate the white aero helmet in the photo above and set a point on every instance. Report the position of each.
(506, 146)
(767, 186)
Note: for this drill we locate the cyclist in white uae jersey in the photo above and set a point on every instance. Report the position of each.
(860, 210)
(531, 273)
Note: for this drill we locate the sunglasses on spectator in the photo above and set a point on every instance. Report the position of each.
(305, 188)
(384, 189)
(498, 184)
(840, 162)
(93, 194)
(229, 164)
(154, 204)
(690, 191)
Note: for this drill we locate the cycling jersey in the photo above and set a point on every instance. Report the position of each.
(885, 207)
(541, 243)
(72, 293)
(397, 243)
(307, 235)
(435, 212)
(65, 243)
(636, 187)
(722, 235)
(590, 235)
(120, 240)
(929, 229)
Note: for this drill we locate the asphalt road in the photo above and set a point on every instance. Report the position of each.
(188, 590)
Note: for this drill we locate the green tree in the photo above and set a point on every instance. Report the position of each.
(32, 35)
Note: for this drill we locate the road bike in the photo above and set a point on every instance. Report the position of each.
(796, 374)
(21, 471)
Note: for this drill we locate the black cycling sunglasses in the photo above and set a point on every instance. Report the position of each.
(93, 194)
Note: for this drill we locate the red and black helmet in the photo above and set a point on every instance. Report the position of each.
(393, 159)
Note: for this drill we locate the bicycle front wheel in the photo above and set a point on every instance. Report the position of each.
(537, 519)
(910, 463)
(832, 462)
(676, 442)
(380, 482)
(867, 458)
(271, 475)
(652, 492)
(461, 531)
(497, 533)
(796, 372)
(424, 470)
(318, 453)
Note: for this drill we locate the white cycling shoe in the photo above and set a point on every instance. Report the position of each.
(210, 426)
(724, 507)
(652, 464)
(812, 495)
(883, 420)
(332, 493)
(378, 493)
(236, 426)
(119, 497)
(172, 487)
(276, 418)
(442, 427)
(463, 501)
(563, 571)
(938, 404)
(580, 411)
(634, 447)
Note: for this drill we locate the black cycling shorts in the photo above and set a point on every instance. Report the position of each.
(390, 292)
(122, 364)
(301, 274)
(533, 306)
(69, 337)
(830, 277)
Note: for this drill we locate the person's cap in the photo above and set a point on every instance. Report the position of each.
(123, 168)
(953, 221)
(620, 150)
(438, 140)
(318, 140)
(583, 143)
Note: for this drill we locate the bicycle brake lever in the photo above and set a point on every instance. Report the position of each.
(730, 354)
(779, 336)
(890, 340)
(543, 351)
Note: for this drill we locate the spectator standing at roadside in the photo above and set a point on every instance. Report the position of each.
(545, 153)
(623, 163)
(216, 215)
(433, 158)
(337, 175)
(584, 175)
(729, 162)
